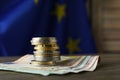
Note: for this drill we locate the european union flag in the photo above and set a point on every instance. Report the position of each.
(67, 20)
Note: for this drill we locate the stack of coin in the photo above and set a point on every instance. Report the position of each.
(46, 51)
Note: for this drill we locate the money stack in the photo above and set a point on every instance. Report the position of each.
(46, 51)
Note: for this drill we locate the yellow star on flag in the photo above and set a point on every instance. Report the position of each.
(60, 11)
(73, 45)
(36, 1)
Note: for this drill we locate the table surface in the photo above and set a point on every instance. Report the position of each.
(108, 69)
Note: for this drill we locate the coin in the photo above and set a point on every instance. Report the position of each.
(45, 51)
(50, 63)
(43, 58)
(43, 43)
(46, 54)
(45, 48)
(43, 40)
(56, 58)
(56, 53)
(42, 52)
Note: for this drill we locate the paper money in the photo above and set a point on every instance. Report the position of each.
(66, 65)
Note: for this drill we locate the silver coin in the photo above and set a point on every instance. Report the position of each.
(43, 39)
(50, 54)
(43, 58)
(46, 53)
(42, 52)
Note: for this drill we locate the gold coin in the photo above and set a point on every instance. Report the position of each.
(43, 43)
(45, 48)
(48, 45)
(34, 62)
(44, 54)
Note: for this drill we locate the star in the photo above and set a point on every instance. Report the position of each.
(60, 11)
(72, 45)
(36, 1)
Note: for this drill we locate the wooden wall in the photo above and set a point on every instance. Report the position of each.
(106, 24)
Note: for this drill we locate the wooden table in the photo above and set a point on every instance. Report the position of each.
(108, 69)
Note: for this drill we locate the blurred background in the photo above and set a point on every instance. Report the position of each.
(80, 26)
(105, 18)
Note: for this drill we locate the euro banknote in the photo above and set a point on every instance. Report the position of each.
(68, 64)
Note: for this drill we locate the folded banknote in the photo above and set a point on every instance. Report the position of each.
(68, 64)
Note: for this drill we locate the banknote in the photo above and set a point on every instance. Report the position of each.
(68, 64)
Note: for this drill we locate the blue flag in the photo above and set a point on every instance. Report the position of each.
(21, 20)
